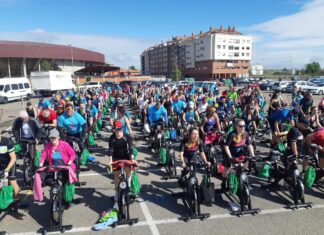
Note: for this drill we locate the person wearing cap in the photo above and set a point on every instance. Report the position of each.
(119, 148)
(74, 125)
(31, 110)
(25, 127)
(191, 114)
(46, 115)
(58, 152)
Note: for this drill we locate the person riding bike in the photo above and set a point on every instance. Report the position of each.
(189, 148)
(178, 105)
(8, 162)
(120, 148)
(191, 114)
(58, 152)
(157, 113)
(27, 128)
(306, 104)
(46, 115)
(210, 121)
(234, 147)
(86, 114)
(74, 125)
(32, 112)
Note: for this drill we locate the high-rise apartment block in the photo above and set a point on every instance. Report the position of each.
(218, 53)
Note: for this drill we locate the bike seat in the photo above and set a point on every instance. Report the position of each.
(239, 159)
(122, 163)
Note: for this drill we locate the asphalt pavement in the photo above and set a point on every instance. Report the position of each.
(158, 212)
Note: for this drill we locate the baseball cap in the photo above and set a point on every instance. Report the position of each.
(46, 104)
(54, 133)
(118, 126)
(191, 104)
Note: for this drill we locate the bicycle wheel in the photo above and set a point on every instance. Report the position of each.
(27, 174)
(122, 200)
(244, 196)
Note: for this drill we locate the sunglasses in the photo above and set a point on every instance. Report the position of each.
(241, 126)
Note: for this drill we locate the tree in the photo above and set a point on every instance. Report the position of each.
(45, 66)
(132, 67)
(176, 73)
(313, 68)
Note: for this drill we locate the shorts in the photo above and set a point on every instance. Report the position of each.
(12, 171)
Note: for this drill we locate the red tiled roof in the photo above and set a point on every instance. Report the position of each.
(14, 49)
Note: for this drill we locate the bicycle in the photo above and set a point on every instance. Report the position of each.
(191, 195)
(56, 197)
(170, 164)
(123, 193)
(243, 190)
(292, 177)
(28, 165)
(74, 143)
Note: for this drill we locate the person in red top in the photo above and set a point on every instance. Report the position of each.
(47, 116)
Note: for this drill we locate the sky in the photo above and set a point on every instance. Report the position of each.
(286, 33)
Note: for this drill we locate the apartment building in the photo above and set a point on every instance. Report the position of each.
(218, 53)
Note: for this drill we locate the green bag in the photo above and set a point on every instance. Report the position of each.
(6, 197)
(84, 156)
(68, 192)
(265, 171)
(163, 155)
(263, 104)
(232, 183)
(99, 121)
(281, 147)
(238, 112)
(95, 127)
(135, 152)
(166, 134)
(37, 158)
(91, 140)
(135, 186)
(229, 130)
(286, 127)
(17, 148)
(309, 176)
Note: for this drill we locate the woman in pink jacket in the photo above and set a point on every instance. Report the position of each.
(57, 152)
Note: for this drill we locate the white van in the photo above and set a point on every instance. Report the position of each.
(14, 88)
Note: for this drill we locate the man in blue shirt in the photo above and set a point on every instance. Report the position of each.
(74, 124)
(157, 113)
(178, 105)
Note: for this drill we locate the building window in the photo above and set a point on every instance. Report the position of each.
(224, 46)
(242, 48)
(236, 48)
(202, 48)
(236, 54)
(230, 47)
(248, 41)
(247, 48)
(247, 54)
(242, 54)
(237, 40)
(219, 46)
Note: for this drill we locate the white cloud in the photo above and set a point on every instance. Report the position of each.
(292, 38)
(119, 51)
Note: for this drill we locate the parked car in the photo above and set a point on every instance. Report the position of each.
(281, 86)
(88, 85)
(318, 81)
(14, 89)
(266, 85)
(311, 87)
(241, 81)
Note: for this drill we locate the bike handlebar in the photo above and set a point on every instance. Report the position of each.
(27, 141)
(122, 163)
(6, 131)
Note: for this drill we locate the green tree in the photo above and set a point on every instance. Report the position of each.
(46, 66)
(88, 78)
(313, 68)
(176, 73)
(132, 67)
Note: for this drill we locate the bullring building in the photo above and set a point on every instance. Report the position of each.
(18, 59)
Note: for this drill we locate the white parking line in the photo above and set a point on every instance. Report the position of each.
(149, 219)
(152, 223)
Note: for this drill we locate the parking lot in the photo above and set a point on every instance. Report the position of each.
(157, 210)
